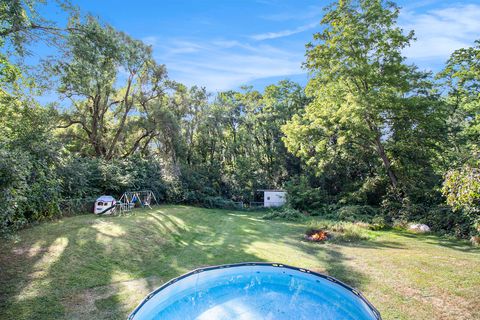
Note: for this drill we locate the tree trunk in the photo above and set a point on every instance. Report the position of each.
(127, 107)
(386, 162)
(381, 151)
(95, 135)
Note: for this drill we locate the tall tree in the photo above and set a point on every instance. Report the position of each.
(278, 105)
(108, 77)
(361, 86)
(462, 79)
(21, 25)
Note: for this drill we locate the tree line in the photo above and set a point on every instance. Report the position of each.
(370, 132)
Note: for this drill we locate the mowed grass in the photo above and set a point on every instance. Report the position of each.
(91, 267)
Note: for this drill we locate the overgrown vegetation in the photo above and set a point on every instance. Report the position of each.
(370, 138)
(344, 231)
(285, 213)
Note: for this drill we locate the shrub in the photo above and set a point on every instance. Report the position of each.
(396, 206)
(356, 213)
(442, 219)
(285, 213)
(343, 231)
(85, 177)
(378, 223)
(328, 211)
(28, 189)
(218, 202)
(462, 188)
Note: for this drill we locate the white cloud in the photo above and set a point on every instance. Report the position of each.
(439, 32)
(221, 64)
(284, 33)
(225, 64)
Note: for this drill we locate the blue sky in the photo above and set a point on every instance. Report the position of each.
(225, 44)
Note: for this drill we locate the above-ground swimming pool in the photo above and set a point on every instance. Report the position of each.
(254, 291)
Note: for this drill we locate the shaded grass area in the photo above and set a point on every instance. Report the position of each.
(90, 267)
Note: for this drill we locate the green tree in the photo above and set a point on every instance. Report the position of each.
(462, 188)
(462, 79)
(365, 96)
(96, 60)
(22, 24)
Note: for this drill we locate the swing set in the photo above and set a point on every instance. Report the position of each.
(130, 198)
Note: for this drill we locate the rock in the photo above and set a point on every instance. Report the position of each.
(419, 228)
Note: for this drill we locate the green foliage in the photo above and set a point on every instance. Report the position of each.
(87, 177)
(462, 78)
(355, 213)
(301, 196)
(103, 102)
(284, 213)
(461, 186)
(368, 105)
(14, 186)
(343, 231)
(28, 184)
(28, 189)
(442, 219)
(218, 202)
(462, 189)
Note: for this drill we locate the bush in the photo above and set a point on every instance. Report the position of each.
(440, 218)
(85, 177)
(328, 211)
(28, 189)
(398, 206)
(285, 213)
(14, 171)
(36, 188)
(379, 223)
(219, 202)
(343, 231)
(443, 219)
(356, 213)
(352, 213)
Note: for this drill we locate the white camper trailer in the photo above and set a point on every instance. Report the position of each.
(105, 205)
(274, 198)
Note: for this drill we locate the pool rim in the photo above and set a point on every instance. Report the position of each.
(262, 264)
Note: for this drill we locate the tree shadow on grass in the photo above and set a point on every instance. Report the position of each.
(333, 263)
(21, 267)
(109, 264)
(373, 244)
(454, 244)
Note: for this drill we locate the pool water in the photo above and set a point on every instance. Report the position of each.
(254, 291)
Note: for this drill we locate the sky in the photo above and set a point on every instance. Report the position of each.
(225, 44)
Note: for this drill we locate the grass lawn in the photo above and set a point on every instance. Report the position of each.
(90, 267)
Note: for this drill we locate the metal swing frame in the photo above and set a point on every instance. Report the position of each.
(129, 198)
